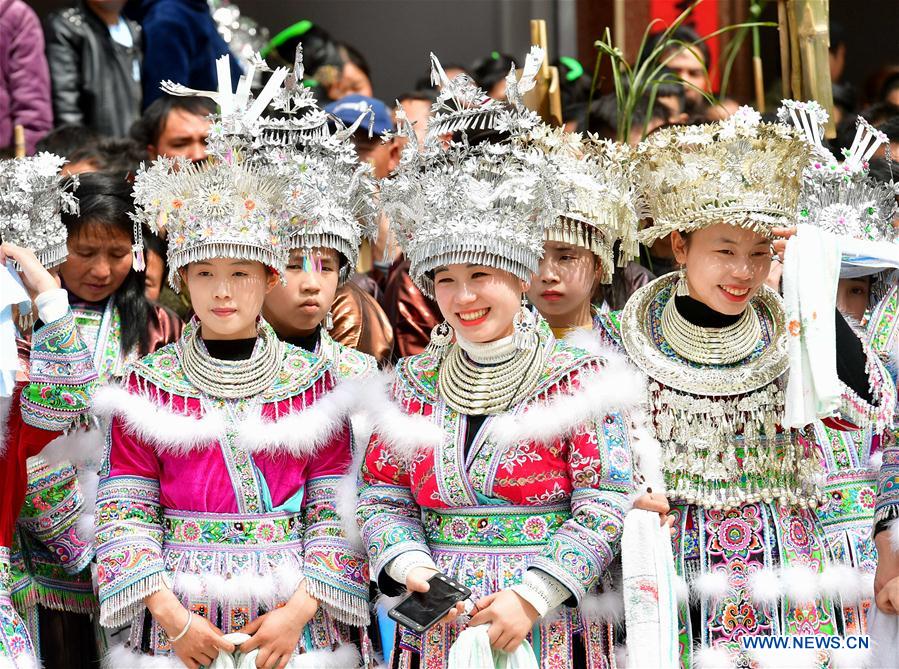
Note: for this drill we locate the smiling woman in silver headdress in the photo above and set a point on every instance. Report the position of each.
(499, 434)
(712, 339)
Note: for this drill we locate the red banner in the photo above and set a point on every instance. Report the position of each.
(704, 19)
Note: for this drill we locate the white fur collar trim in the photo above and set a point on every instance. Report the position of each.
(617, 387)
(299, 434)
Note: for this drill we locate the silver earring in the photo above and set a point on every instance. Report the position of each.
(682, 289)
(524, 328)
(329, 321)
(441, 339)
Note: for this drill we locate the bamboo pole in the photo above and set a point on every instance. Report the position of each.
(783, 30)
(805, 62)
(19, 138)
(546, 97)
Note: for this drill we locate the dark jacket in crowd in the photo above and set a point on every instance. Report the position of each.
(93, 76)
(181, 44)
(24, 77)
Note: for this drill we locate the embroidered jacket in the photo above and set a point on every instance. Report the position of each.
(748, 541)
(229, 503)
(54, 548)
(543, 486)
(55, 398)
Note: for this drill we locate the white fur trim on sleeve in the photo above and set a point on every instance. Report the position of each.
(605, 607)
(711, 586)
(712, 658)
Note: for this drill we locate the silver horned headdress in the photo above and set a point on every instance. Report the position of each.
(329, 196)
(600, 203)
(739, 171)
(841, 196)
(32, 197)
(457, 200)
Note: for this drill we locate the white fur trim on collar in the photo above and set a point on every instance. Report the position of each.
(299, 434)
(616, 387)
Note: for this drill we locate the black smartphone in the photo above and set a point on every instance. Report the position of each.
(420, 610)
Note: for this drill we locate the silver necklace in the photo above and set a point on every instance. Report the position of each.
(478, 390)
(711, 346)
(232, 379)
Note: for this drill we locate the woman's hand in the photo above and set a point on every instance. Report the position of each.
(36, 278)
(203, 640)
(417, 581)
(886, 578)
(656, 501)
(781, 235)
(510, 618)
(277, 633)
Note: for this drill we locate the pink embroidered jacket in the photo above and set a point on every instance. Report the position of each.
(229, 503)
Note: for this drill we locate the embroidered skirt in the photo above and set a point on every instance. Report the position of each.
(488, 549)
(16, 649)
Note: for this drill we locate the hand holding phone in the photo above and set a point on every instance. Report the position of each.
(420, 611)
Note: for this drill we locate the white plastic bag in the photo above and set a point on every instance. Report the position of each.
(472, 651)
(883, 630)
(235, 660)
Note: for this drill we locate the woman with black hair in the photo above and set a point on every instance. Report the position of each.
(54, 590)
(490, 74)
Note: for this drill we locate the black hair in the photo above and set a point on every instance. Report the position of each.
(112, 155)
(488, 72)
(424, 83)
(67, 138)
(688, 36)
(882, 170)
(105, 199)
(147, 130)
(352, 55)
(890, 84)
(425, 95)
(837, 35)
(603, 117)
(844, 97)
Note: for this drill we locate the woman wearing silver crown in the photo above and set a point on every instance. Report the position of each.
(216, 507)
(502, 460)
(712, 339)
(843, 199)
(49, 391)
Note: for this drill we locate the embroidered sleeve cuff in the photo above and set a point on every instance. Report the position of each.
(62, 377)
(52, 305)
(398, 568)
(541, 591)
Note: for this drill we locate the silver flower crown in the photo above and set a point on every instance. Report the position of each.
(454, 200)
(32, 197)
(840, 196)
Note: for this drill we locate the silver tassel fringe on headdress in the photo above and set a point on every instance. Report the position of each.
(601, 204)
(329, 195)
